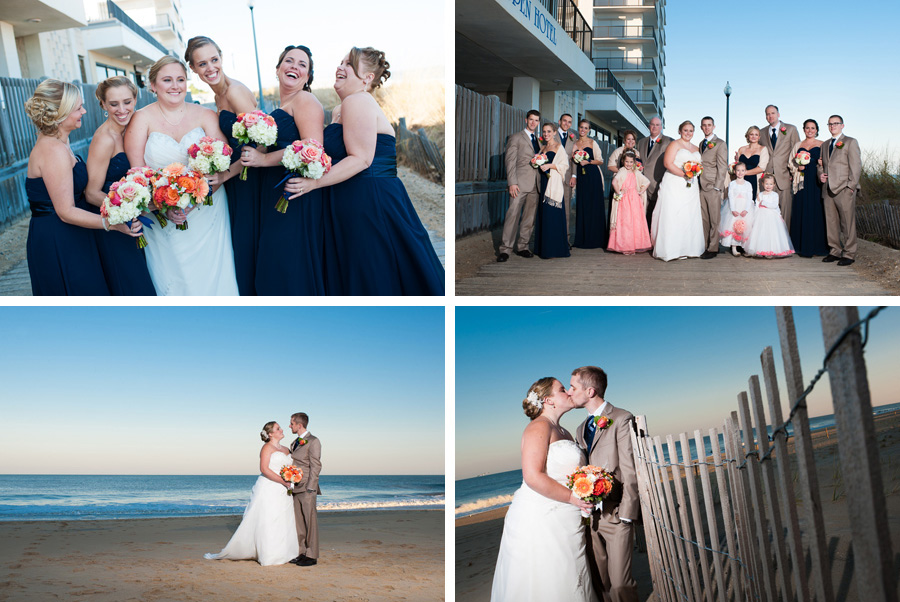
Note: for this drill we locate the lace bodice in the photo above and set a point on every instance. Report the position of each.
(162, 149)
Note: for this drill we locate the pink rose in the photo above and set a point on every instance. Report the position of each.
(115, 200)
(297, 146)
(207, 140)
(207, 149)
(310, 153)
(226, 150)
(140, 180)
(250, 119)
(114, 186)
(128, 190)
(193, 151)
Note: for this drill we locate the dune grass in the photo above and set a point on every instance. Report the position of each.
(880, 179)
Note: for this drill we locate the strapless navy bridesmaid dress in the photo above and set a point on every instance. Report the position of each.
(590, 213)
(550, 239)
(62, 258)
(291, 244)
(808, 213)
(124, 265)
(243, 212)
(375, 242)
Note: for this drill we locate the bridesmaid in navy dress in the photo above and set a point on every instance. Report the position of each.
(808, 217)
(232, 98)
(375, 242)
(590, 213)
(754, 155)
(550, 237)
(124, 264)
(291, 244)
(61, 249)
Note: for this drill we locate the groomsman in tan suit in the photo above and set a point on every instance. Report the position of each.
(306, 451)
(611, 532)
(651, 150)
(522, 179)
(567, 140)
(779, 138)
(840, 171)
(714, 157)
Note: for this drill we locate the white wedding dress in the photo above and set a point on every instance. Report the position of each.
(268, 531)
(676, 229)
(542, 553)
(199, 260)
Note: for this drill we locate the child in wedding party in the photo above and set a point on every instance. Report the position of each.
(737, 212)
(769, 236)
(628, 232)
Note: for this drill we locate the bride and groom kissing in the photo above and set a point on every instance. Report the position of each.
(280, 524)
(546, 553)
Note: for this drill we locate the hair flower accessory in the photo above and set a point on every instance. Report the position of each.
(264, 435)
(534, 400)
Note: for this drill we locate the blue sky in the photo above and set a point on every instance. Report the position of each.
(811, 59)
(682, 367)
(187, 390)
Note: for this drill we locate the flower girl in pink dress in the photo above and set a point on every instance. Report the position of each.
(628, 232)
(769, 236)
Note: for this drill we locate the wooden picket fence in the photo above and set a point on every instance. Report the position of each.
(880, 220)
(736, 535)
(417, 150)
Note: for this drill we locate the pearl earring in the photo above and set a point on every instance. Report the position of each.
(106, 113)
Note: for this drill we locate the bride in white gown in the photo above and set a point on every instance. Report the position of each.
(199, 260)
(268, 531)
(542, 553)
(676, 229)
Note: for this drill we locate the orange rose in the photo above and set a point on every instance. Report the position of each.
(602, 487)
(173, 169)
(187, 183)
(172, 197)
(202, 188)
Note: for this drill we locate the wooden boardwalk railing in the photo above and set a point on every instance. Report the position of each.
(748, 544)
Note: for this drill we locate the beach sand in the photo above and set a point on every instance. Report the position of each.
(478, 536)
(364, 557)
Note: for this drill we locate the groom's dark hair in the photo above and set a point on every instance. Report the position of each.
(593, 377)
(301, 418)
(532, 112)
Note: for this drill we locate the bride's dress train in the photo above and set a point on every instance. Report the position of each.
(199, 260)
(268, 531)
(542, 553)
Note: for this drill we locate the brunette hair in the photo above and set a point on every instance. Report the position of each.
(373, 61)
(814, 122)
(628, 133)
(266, 431)
(114, 82)
(195, 43)
(309, 79)
(628, 153)
(53, 100)
(768, 176)
(301, 418)
(542, 388)
(593, 377)
(532, 112)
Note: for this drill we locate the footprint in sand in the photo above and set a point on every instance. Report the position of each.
(372, 541)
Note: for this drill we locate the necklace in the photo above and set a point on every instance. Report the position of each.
(163, 113)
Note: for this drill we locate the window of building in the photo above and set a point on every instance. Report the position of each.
(105, 71)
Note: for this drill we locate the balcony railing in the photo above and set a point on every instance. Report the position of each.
(624, 2)
(624, 31)
(606, 81)
(110, 10)
(644, 96)
(572, 21)
(623, 64)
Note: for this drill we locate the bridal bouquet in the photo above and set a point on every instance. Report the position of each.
(802, 159)
(579, 156)
(177, 187)
(305, 158)
(692, 169)
(291, 474)
(592, 484)
(256, 127)
(127, 199)
(209, 156)
(538, 160)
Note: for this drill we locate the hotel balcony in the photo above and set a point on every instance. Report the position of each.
(498, 40)
(165, 27)
(644, 97)
(647, 67)
(649, 38)
(37, 16)
(610, 102)
(113, 33)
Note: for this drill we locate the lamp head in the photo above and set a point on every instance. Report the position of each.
(727, 88)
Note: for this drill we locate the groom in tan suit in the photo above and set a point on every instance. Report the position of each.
(306, 451)
(714, 157)
(839, 172)
(523, 189)
(611, 532)
(651, 150)
(779, 138)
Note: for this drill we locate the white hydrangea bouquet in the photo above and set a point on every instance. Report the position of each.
(209, 156)
(256, 127)
(305, 158)
(128, 198)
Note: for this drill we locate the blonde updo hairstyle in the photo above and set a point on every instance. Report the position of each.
(752, 128)
(266, 431)
(158, 65)
(543, 388)
(114, 82)
(53, 100)
(195, 43)
(371, 61)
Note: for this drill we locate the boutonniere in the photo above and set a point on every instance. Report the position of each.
(602, 422)
(541, 140)
(839, 144)
(711, 145)
(571, 136)
(301, 442)
(783, 130)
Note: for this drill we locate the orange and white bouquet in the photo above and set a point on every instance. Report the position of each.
(177, 187)
(128, 198)
(209, 156)
(305, 158)
(692, 169)
(802, 159)
(291, 474)
(538, 160)
(257, 127)
(591, 484)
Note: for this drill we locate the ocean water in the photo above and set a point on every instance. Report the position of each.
(488, 492)
(90, 497)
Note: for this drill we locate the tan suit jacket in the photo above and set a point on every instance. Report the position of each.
(519, 171)
(843, 165)
(308, 458)
(715, 166)
(570, 150)
(781, 154)
(654, 169)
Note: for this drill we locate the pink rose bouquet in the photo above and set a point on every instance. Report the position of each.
(209, 156)
(305, 158)
(127, 199)
(256, 127)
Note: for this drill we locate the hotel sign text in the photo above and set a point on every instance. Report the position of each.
(540, 21)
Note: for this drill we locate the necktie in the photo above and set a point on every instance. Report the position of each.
(703, 146)
(295, 443)
(590, 429)
(831, 148)
(774, 138)
(562, 139)
(534, 143)
(650, 147)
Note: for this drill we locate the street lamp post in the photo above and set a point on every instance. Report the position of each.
(727, 111)
(262, 100)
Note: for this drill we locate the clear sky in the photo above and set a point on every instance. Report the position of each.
(186, 390)
(811, 59)
(681, 367)
(410, 32)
